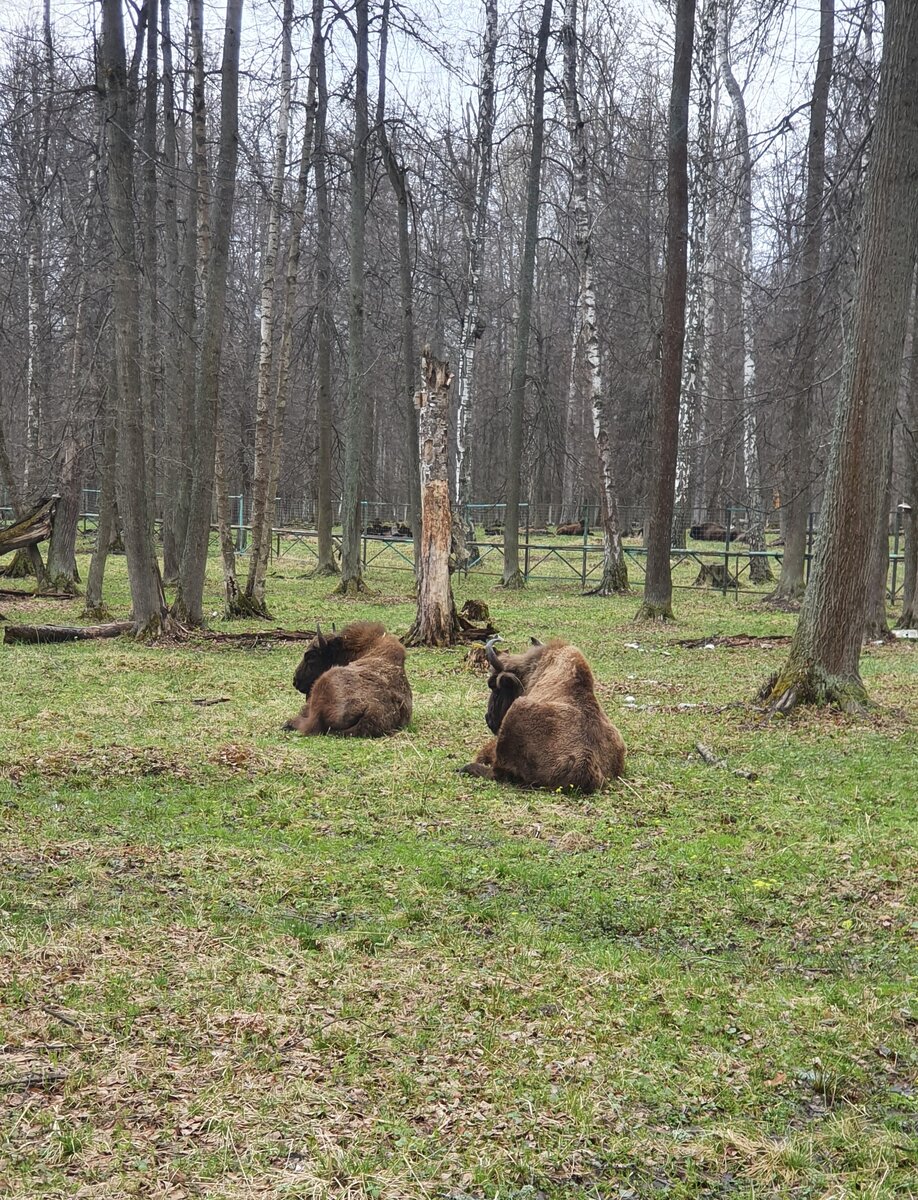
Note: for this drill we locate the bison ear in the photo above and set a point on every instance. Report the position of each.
(506, 681)
(534, 641)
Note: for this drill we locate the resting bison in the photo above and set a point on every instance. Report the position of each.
(710, 531)
(551, 731)
(377, 529)
(574, 530)
(355, 683)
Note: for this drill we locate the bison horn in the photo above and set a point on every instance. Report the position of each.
(491, 653)
(534, 641)
(319, 636)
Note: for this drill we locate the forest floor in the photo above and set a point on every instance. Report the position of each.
(235, 963)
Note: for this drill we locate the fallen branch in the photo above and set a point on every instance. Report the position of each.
(713, 761)
(30, 529)
(260, 635)
(18, 593)
(40, 634)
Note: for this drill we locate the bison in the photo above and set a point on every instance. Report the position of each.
(354, 682)
(710, 531)
(573, 530)
(549, 728)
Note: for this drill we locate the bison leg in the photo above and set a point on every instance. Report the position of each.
(483, 766)
(303, 724)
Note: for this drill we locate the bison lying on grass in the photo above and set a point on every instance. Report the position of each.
(354, 682)
(550, 730)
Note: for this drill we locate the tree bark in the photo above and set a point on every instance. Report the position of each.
(876, 621)
(149, 331)
(148, 601)
(695, 367)
(473, 325)
(398, 179)
(95, 606)
(909, 616)
(266, 400)
(614, 569)
(823, 665)
(797, 493)
(355, 425)
(512, 576)
(436, 623)
(189, 601)
(325, 550)
(658, 583)
(759, 570)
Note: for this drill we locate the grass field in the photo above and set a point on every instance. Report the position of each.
(235, 963)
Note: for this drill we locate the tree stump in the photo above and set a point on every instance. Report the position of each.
(715, 575)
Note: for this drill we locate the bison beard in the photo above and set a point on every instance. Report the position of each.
(355, 684)
(550, 729)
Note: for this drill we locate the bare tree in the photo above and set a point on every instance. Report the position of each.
(658, 583)
(398, 179)
(189, 601)
(512, 576)
(823, 665)
(759, 570)
(615, 571)
(476, 218)
(796, 492)
(355, 416)
(253, 600)
(149, 604)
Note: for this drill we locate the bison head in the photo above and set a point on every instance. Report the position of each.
(321, 654)
(506, 681)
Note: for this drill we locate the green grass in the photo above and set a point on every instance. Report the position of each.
(235, 963)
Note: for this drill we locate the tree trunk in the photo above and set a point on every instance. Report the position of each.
(95, 606)
(797, 494)
(695, 370)
(189, 601)
(235, 602)
(876, 622)
(436, 623)
(173, 447)
(658, 583)
(397, 174)
(325, 550)
(512, 577)
(909, 615)
(355, 431)
(614, 569)
(149, 333)
(824, 660)
(148, 601)
(266, 401)
(759, 570)
(472, 323)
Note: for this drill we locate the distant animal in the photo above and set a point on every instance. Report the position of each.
(378, 529)
(354, 683)
(710, 531)
(549, 728)
(402, 531)
(494, 530)
(574, 530)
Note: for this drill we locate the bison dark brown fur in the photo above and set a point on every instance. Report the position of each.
(354, 682)
(575, 529)
(550, 729)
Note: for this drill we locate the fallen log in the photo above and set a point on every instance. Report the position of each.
(41, 634)
(18, 593)
(259, 635)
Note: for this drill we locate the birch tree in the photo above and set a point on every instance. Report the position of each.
(614, 570)
(759, 570)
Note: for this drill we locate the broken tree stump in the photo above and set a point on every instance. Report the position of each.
(715, 575)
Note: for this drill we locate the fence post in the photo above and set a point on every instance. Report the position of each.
(729, 514)
(895, 561)
(585, 517)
